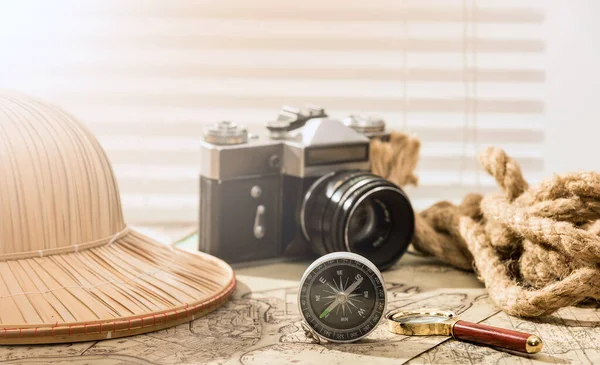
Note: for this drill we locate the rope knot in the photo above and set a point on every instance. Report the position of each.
(505, 170)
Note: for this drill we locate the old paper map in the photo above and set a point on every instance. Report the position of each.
(261, 326)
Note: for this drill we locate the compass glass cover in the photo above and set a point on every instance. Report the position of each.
(342, 300)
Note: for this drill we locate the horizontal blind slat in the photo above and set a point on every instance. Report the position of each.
(383, 104)
(448, 184)
(441, 162)
(132, 73)
(339, 14)
(164, 173)
(104, 28)
(190, 201)
(265, 58)
(161, 42)
(258, 116)
(440, 134)
(334, 11)
(283, 88)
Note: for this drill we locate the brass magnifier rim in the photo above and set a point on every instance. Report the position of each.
(444, 327)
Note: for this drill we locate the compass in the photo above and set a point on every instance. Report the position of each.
(342, 297)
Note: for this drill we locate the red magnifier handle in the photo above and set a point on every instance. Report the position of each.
(498, 337)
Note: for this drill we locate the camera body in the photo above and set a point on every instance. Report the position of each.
(266, 193)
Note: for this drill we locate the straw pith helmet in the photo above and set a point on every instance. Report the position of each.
(70, 268)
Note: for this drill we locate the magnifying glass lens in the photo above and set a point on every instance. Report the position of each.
(424, 318)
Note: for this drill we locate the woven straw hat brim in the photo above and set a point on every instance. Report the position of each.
(121, 286)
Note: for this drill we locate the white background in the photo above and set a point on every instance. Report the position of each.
(146, 76)
(572, 86)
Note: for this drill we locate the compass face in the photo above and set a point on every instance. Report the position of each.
(342, 297)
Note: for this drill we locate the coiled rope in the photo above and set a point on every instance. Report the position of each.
(537, 249)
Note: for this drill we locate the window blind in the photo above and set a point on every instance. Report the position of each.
(147, 75)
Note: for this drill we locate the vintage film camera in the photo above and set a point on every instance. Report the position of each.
(300, 185)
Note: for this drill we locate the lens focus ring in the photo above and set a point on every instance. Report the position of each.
(358, 212)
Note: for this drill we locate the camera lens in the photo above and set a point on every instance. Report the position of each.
(362, 224)
(358, 212)
(369, 226)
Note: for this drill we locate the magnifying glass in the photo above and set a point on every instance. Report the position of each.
(445, 323)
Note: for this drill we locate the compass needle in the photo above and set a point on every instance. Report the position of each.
(331, 307)
(334, 289)
(329, 302)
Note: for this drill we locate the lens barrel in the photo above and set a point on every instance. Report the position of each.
(358, 212)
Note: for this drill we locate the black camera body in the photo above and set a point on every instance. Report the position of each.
(300, 186)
